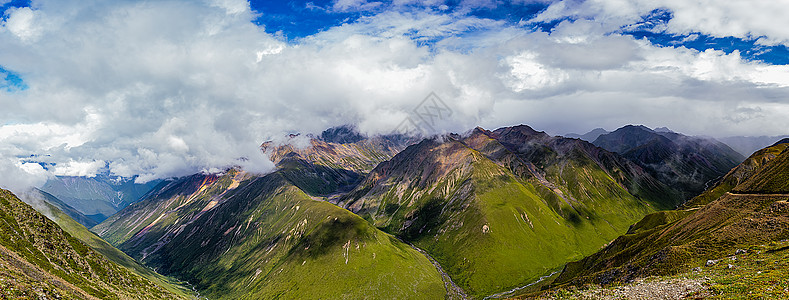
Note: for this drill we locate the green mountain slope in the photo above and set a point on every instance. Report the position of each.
(500, 209)
(750, 209)
(250, 237)
(41, 260)
(44, 204)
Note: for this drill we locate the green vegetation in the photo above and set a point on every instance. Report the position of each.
(742, 172)
(490, 229)
(265, 238)
(39, 259)
(758, 272)
(114, 255)
(773, 179)
(667, 243)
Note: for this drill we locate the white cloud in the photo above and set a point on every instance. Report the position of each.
(528, 74)
(78, 168)
(742, 19)
(355, 5)
(169, 88)
(22, 23)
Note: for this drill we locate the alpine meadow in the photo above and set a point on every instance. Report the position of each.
(379, 149)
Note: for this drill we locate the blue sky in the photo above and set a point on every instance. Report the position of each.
(167, 88)
(294, 20)
(297, 19)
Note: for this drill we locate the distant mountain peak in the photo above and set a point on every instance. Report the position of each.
(344, 134)
(589, 136)
(634, 127)
(522, 130)
(664, 129)
(675, 159)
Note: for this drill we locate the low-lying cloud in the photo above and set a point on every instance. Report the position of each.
(167, 88)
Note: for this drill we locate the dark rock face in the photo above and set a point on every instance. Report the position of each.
(686, 163)
(345, 134)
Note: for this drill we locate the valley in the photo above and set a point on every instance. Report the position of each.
(481, 215)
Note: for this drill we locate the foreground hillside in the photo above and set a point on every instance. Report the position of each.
(242, 236)
(755, 272)
(750, 210)
(500, 209)
(40, 260)
(47, 205)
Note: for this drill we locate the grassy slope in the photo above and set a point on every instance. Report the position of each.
(671, 242)
(773, 179)
(530, 232)
(268, 239)
(737, 175)
(40, 258)
(762, 272)
(113, 254)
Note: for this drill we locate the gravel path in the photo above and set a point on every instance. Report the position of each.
(642, 289)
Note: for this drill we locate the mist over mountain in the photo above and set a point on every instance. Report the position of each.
(589, 136)
(689, 164)
(355, 149)
(97, 197)
(747, 145)
(745, 209)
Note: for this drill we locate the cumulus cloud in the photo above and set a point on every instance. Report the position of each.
(168, 88)
(742, 19)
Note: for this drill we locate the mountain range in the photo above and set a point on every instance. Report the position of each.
(746, 209)
(686, 163)
(484, 214)
(96, 197)
(470, 203)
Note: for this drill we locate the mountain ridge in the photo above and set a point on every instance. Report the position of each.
(747, 207)
(440, 192)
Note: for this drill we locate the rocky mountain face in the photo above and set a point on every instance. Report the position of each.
(687, 163)
(492, 211)
(479, 203)
(40, 260)
(97, 197)
(239, 235)
(747, 207)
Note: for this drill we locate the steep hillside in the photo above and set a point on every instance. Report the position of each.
(751, 209)
(687, 163)
(42, 196)
(242, 236)
(97, 197)
(44, 203)
(501, 209)
(739, 174)
(41, 260)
